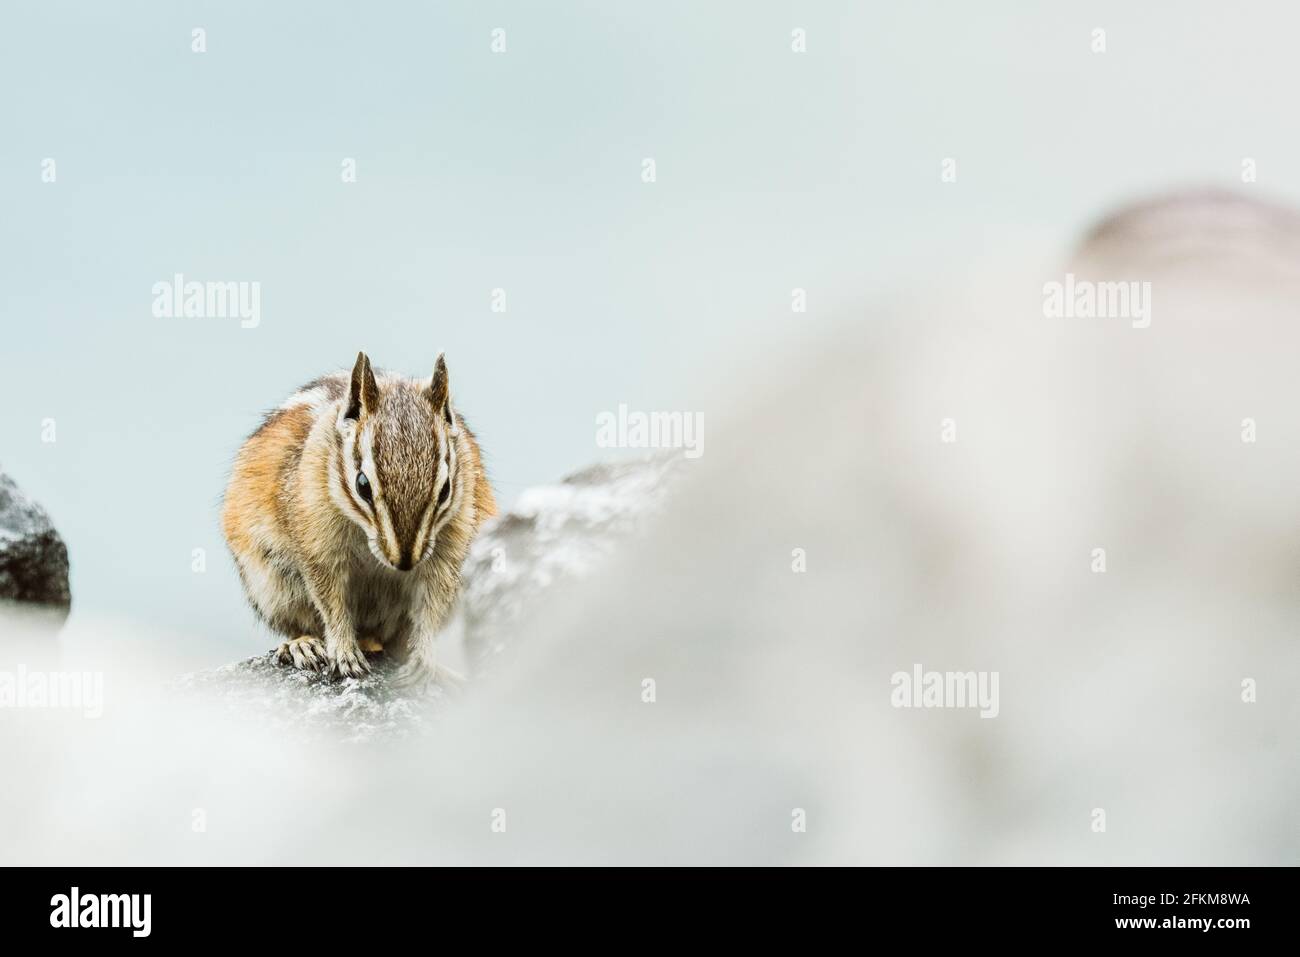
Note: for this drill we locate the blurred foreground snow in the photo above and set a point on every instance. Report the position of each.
(1119, 691)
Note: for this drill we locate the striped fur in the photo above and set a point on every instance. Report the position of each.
(328, 569)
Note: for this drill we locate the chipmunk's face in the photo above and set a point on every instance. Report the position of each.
(396, 470)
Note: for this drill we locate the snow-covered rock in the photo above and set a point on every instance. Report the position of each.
(286, 699)
(33, 558)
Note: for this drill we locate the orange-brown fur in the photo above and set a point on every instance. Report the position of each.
(332, 572)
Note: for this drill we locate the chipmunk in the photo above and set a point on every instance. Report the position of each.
(349, 513)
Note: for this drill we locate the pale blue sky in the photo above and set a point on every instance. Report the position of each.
(522, 171)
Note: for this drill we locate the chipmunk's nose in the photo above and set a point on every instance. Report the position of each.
(406, 564)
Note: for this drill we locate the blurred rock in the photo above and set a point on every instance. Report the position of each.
(554, 534)
(33, 558)
(1210, 234)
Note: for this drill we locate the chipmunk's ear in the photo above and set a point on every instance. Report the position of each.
(363, 393)
(440, 391)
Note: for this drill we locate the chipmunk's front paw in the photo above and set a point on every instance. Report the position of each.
(349, 663)
(305, 653)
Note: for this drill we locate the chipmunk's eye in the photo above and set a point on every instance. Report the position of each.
(363, 488)
(446, 492)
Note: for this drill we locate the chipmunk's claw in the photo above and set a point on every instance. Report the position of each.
(305, 653)
(349, 663)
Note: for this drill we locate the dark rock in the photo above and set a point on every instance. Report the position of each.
(33, 558)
